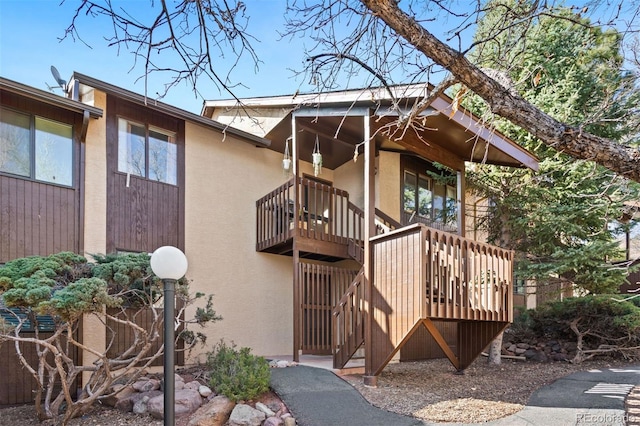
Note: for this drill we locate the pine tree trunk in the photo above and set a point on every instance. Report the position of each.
(495, 350)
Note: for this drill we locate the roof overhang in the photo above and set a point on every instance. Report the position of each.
(49, 98)
(336, 118)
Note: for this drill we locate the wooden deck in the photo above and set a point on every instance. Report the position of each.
(432, 291)
(323, 221)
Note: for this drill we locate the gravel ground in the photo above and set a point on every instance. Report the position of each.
(427, 390)
(430, 390)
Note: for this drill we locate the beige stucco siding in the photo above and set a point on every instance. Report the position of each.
(258, 124)
(95, 218)
(388, 184)
(252, 291)
(95, 183)
(350, 177)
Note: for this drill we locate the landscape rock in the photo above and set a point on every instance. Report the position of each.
(146, 385)
(140, 407)
(245, 415)
(215, 413)
(204, 391)
(126, 404)
(186, 401)
(194, 384)
(273, 421)
(289, 421)
(266, 410)
(124, 393)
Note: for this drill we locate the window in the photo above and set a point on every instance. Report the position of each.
(628, 236)
(430, 199)
(147, 152)
(36, 148)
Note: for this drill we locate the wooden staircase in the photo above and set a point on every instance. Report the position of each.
(423, 280)
(421, 276)
(348, 322)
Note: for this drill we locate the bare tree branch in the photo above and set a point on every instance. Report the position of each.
(624, 160)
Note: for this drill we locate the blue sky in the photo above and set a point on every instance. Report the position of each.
(29, 44)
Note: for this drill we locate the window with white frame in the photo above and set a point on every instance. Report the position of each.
(147, 151)
(36, 148)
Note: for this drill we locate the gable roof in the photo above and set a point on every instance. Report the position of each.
(48, 98)
(455, 130)
(81, 83)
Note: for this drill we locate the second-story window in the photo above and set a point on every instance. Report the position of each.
(429, 200)
(147, 151)
(36, 147)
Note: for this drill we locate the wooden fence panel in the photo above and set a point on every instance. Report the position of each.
(121, 337)
(321, 287)
(17, 385)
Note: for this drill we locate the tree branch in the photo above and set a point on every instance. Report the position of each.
(624, 160)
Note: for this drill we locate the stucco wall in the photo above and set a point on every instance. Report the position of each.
(95, 190)
(95, 217)
(388, 184)
(350, 177)
(252, 291)
(258, 124)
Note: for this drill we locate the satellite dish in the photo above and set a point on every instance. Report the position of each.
(61, 81)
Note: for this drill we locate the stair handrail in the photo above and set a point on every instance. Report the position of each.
(387, 220)
(353, 337)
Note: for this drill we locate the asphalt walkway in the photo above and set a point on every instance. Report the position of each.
(317, 397)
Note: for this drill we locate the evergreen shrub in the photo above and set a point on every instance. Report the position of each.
(237, 374)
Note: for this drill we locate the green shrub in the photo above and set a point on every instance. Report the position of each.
(238, 375)
(604, 319)
(521, 328)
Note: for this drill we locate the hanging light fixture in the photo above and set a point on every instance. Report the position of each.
(286, 161)
(316, 159)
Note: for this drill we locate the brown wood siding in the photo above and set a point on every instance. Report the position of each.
(421, 345)
(121, 337)
(632, 286)
(38, 218)
(397, 292)
(147, 214)
(474, 336)
(18, 384)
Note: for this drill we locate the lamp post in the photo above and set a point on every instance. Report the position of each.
(169, 264)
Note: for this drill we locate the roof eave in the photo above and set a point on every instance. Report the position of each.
(169, 109)
(49, 98)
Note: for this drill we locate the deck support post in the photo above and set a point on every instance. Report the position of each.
(297, 329)
(370, 381)
(369, 231)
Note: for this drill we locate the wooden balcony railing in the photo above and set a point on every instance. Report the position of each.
(453, 277)
(356, 242)
(274, 216)
(322, 213)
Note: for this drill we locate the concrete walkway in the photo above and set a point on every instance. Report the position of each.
(317, 397)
